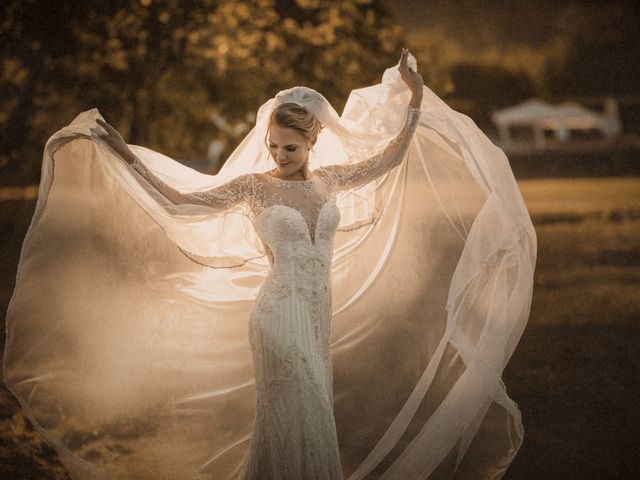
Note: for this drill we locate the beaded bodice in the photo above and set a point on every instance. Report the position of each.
(295, 203)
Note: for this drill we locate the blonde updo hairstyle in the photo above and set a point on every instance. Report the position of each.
(292, 115)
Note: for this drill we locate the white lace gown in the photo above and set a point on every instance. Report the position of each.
(294, 434)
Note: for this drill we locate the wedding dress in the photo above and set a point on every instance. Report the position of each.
(351, 325)
(294, 436)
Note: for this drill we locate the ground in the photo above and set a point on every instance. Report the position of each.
(571, 375)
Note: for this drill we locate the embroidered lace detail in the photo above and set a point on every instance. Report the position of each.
(224, 197)
(344, 177)
(305, 196)
(289, 329)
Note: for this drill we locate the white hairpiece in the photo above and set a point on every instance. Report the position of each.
(305, 97)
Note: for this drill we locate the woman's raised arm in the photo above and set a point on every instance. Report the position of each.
(222, 197)
(344, 177)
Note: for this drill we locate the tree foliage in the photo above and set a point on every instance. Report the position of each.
(488, 88)
(159, 69)
(603, 54)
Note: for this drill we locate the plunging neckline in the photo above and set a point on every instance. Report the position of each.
(311, 237)
(307, 185)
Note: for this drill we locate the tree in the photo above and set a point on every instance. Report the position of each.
(602, 55)
(158, 70)
(489, 88)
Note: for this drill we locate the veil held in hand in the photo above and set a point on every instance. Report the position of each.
(127, 330)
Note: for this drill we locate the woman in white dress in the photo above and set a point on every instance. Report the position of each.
(382, 291)
(293, 209)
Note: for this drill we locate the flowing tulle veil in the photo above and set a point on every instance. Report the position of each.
(127, 330)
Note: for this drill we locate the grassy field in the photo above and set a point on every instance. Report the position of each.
(572, 372)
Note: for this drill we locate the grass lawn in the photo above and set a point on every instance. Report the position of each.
(572, 372)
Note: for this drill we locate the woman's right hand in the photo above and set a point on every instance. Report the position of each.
(412, 78)
(113, 138)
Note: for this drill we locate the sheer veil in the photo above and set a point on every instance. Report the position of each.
(127, 330)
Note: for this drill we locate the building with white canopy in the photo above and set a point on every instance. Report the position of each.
(541, 123)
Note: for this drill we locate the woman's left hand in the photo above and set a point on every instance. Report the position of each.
(412, 78)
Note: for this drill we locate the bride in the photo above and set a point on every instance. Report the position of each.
(410, 280)
(294, 435)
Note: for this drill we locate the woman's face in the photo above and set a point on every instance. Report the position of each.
(288, 148)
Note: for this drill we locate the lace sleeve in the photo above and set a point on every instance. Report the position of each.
(222, 197)
(344, 177)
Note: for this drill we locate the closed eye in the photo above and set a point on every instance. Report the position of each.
(289, 148)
